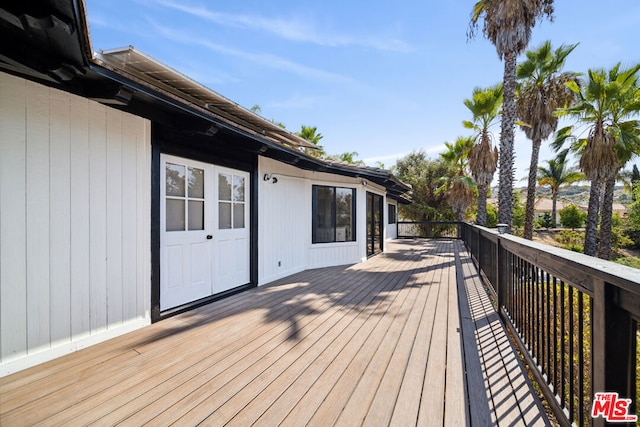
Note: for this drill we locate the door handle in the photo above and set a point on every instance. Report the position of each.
(209, 237)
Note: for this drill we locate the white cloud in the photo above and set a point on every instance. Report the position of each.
(294, 29)
(264, 59)
(394, 157)
(298, 101)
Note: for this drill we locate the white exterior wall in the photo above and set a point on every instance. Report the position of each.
(285, 218)
(391, 229)
(74, 223)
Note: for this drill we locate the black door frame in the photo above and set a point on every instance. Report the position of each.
(243, 161)
(375, 202)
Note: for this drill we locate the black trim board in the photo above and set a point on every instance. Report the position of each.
(197, 150)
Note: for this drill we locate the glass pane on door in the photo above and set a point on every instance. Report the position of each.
(238, 189)
(196, 183)
(175, 180)
(224, 187)
(238, 215)
(175, 215)
(196, 215)
(224, 215)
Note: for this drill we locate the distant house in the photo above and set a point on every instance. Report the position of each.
(545, 205)
(129, 192)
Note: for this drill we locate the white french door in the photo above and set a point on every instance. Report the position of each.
(204, 242)
(232, 236)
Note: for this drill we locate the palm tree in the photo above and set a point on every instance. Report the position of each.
(556, 175)
(630, 179)
(346, 157)
(459, 187)
(542, 91)
(309, 133)
(483, 157)
(607, 103)
(508, 24)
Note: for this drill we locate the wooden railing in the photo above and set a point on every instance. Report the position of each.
(574, 317)
(429, 229)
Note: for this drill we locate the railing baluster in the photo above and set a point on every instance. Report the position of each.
(555, 336)
(537, 336)
(563, 341)
(530, 314)
(547, 300)
(571, 366)
(580, 337)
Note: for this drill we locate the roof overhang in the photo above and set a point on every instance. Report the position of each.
(44, 40)
(143, 69)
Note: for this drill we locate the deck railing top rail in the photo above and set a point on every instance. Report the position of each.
(582, 271)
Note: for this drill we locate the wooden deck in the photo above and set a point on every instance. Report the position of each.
(407, 338)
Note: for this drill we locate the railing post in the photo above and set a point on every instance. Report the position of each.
(501, 274)
(614, 343)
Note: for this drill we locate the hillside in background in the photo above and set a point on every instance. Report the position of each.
(574, 194)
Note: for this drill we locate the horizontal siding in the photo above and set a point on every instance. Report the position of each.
(74, 221)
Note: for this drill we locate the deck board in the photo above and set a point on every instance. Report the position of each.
(406, 338)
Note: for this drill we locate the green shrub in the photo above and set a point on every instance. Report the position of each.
(619, 239)
(629, 261)
(571, 239)
(518, 211)
(575, 248)
(492, 216)
(546, 221)
(572, 217)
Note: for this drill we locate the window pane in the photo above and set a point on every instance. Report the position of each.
(344, 214)
(224, 187)
(175, 215)
(196, 215)
(175, 175)
(392, 214)
(323, 216)
(224, 215)
(238, 215)
(196, 183)
(238, 189)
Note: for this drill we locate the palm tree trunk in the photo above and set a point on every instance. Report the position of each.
(554, 205)
(531, 189)
(481, 218)
(591, 231)
(505, 191)
(606, 219)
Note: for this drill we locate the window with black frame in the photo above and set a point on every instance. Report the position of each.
(391, 210)
(333, 214)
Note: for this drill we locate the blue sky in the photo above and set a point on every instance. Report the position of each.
(379, 78)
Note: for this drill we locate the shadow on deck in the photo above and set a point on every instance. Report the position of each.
(406, 338)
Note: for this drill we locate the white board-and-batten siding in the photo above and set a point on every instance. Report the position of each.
(391, 229)
(285, 222)
(74, 223)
